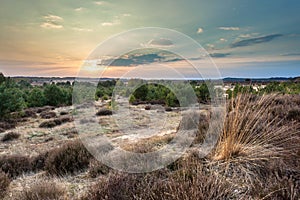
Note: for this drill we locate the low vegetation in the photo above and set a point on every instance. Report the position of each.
(4, 183)
(68, 159)
(48, 190)
(10, 136)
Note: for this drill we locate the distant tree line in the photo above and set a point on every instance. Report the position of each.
(288, 87)
(16, 96)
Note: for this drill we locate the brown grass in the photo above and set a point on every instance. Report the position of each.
(15, 165)
(254, 144)
(44, 190)
(4, 183)
(10, 136)
(68, 159)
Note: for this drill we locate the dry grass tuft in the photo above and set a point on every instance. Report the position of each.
(253, 140)
(46, 190)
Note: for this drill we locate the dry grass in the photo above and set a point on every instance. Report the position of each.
(254, 144)
(68, 159)
(43, 190)
(148, 144)
(15, 165)
(10, 136)
(188, 182)
(4, 183)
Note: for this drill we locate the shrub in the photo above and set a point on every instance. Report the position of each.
(10, 136)
(168, 109)
(55, 122)
(48, 190)
(48, 124)
(14, 165)
(147, 107)
(4, 183)
(45, 109)
(38, 162)
(96, 168)
(47, 115)
(68, 159)
(161, 184)
(6, 125)
(64, 113)
(104, 112)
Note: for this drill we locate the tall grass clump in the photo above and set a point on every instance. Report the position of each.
(254, 143)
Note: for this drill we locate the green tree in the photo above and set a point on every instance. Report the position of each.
(36, 98)
(54, 95)
(11, 100)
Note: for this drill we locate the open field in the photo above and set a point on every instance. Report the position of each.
(256, 157)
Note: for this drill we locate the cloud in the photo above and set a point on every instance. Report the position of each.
(82, 29)
(253, 41)
(99, 3)
(200, 30)
(126, 15)
(161, 42)
(53, 18)
(219, 55)
(113, 23)
(223, 40)
(140, 58)
(51, 25)
(52, 22)
(79, 9)
(229, 28)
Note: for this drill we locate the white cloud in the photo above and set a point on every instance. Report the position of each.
(53, 18)
(50, 25)
(200, 30)
(98, 3)
(126, 15)
(52, 22)
(223, 40)
(211, 46)
(113, 23)
(79, 9)
(229, 28)
(82, 29)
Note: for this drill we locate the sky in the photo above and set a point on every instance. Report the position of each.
(257, 38)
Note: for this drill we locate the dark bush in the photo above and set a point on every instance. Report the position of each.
(38, 162)
(168, 109)
(46, 190)
(48, 124)
(45, 109)
(55, 122)
(148, 107)
(48, 115)
(294, 114)
(14, 165)
(31, 112)
(6, 125)
(104, 112)
(68, 159)
(64, 113)
(4, 183)
(96, 168)
(10, 136)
